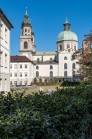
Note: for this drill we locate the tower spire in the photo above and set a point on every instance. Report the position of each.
(66, 24)
(26, 11)
(66, 18)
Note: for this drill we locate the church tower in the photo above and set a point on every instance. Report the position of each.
(27, 46)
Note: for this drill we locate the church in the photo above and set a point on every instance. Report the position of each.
(31, 64)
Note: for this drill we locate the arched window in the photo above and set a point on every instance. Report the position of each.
(60, 47)
(50, 59)
(37, 67)
(65, 58)
(25, 45)
(25, 30)
(73, 73)
(37, 74)
(68, 46)
(73, 66)
(38, 59)
(75, 48)
(65, 66)
(65, 73)
(51, 73)
(51, 67)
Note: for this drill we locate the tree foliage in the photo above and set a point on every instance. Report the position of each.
(65, 114)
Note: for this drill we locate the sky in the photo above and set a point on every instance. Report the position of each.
(47, 18)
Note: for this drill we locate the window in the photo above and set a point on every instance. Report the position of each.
(1, 30)
(20, 74)
(65, 66)
(74, 48)
(25, 45)
(20, 83)
(73, 66)
(6, 60)
(5, 34)
(50, 59)
(37, 67)
(38, 59)
(20, 66)
(15, 66)
(60, 47)
(51, 67)
(1, 56)
(25, 66)
(25, 74)
(25, 30)
(15, 83)
(10, 74)
(51, 73)
(68, 46)
(10, 66)
(65, 73)
(73, 73)
(25, 82)
(65, 58)
(15, 74)
(37, 74)
(11, 83)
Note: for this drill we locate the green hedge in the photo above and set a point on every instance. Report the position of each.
(64, 114)
(68, 83)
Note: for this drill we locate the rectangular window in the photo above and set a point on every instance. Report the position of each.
(1, 36)
(25, 74)
(74, 48)
(20, 66)
(20, 74)
(25, 82)
(6, 60)
(1, 57)
(15, 83)
(5, 35)
(20, 83)
(25, 66)
(10, 74)
(10, 66)
(15, 74)
(11, 83)
(15, 66)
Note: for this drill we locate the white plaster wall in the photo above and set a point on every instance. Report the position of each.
(44, 70)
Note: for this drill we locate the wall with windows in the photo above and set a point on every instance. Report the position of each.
(46, 70)
(4, 56)
(21, 73)
(44, 57)
(67, 67)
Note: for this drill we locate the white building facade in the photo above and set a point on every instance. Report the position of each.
(57, 64)
(5, 27)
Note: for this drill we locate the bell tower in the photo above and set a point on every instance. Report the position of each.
(27, 45)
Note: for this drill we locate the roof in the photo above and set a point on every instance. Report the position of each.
(5, 17)
(45, 62)
(67, 35)
(19, 59)
(45, 53)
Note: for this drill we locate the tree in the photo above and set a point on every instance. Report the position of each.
(85, 58)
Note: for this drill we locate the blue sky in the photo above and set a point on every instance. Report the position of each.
(47, 18)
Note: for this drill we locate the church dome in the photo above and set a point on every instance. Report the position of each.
(67, 35)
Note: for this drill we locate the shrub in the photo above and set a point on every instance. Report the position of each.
(64, 114)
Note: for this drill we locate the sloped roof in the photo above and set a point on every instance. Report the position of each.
(45, 62)
(19, 59)
(5, 17)
(45, 53)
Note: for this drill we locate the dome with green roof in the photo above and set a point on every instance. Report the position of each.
(67, 34)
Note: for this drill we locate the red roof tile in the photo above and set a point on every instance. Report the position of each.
(19, 59)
